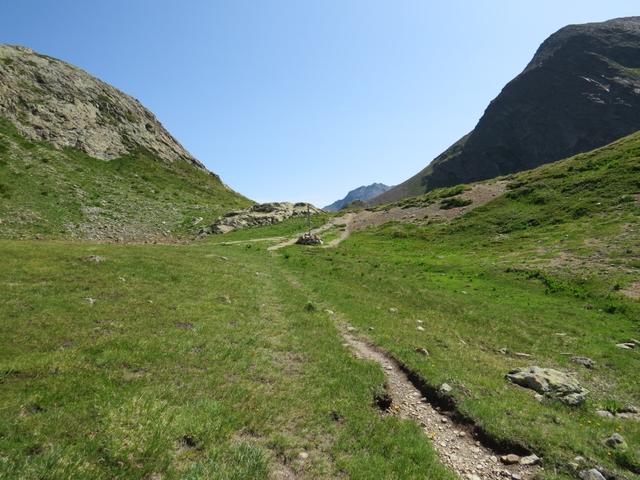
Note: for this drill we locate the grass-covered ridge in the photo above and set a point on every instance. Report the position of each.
(61, 194)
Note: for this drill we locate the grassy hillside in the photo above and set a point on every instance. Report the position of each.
(218, 360)
(61, 194)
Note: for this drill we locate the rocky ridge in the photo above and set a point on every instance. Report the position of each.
(48, 99)
(259, 215)
(580, 91)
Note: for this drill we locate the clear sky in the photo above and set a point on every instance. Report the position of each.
(304, 99)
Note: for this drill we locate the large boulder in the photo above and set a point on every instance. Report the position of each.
(258, 215)
(550, 382)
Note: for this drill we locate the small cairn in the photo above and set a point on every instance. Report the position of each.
(309, 239)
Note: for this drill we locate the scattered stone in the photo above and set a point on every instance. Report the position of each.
(523, 355)
(309, 239)
(584, 361)
(473, 476)
(604, 413)
(503, 350)
(420, 328)
(422, 351)
(225, 299)
(615, 441)
(371, 329)
(303, 455)
(510, 459)
(351, 329)
(550, 382)
(626, 345)
(393, 310)
(629, 409)
(592, 474)
(445, 388)
(94, 259)
(90, 301)
(329, 312)
(532, 459)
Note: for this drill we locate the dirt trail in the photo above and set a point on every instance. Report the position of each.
(250, 240)
(454, 443)
(479, 194)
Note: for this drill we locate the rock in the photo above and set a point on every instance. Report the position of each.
(529, 460)
(510, 459)
(584, 361)
(523, 355)
(309, 239)
(549, 382)
(615, 441)
(303, 455)
(422, 351)
(629, 409)
(626, 346)
(90, 301)
(258, 215)
(445, 388)
(604, 413)
(393, 310)
(592, 474)
(420, 328)
(94, 259)
(472, 476)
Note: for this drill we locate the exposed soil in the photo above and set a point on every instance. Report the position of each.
(632, 291)
(455, 443)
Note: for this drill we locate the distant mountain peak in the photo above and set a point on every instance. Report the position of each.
(364, 193)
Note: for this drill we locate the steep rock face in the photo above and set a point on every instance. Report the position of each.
(364, 193)
(580, 91)
(47, 99)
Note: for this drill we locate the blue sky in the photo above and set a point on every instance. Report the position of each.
(304, 100)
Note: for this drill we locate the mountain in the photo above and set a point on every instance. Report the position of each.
(580, 91)
(361, 193)
(80, 158)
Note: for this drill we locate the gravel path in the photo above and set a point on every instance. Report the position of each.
(455, 444)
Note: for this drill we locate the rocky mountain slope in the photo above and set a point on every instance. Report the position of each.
(581, 90)
(80, 158)
(47, 99)
(364, 193)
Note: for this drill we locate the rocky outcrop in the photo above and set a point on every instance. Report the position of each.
(549, 382)
(580, 91)
(363, 193)
(257, 215)
(47, 99)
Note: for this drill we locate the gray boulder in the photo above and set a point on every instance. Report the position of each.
(592, 474)
(549, 382)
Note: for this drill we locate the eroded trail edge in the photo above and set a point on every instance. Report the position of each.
(456, 444)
